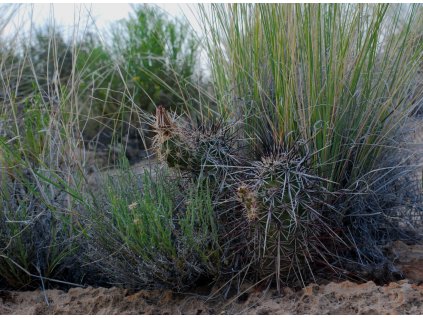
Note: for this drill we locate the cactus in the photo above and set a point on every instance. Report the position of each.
(169, 141)
(282, 203)
(267, 210)
(208, 149)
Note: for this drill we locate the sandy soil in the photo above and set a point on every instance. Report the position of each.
(335, 298)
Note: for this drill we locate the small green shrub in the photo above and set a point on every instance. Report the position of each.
(153, 230)
(160, 57)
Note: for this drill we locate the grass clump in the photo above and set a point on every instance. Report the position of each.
(154, 230)
(38, 228)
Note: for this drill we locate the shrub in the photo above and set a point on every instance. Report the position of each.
(153, 230)
(160, 57)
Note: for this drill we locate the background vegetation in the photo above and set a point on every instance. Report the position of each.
(149, 60)
(295, 166)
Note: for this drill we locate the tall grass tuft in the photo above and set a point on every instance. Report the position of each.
(340, 78)
(38, 177)
(41, 164)
(339, 74)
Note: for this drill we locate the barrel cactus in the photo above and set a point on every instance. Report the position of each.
(282, 201)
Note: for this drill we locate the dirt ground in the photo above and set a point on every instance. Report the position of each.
(334, 298)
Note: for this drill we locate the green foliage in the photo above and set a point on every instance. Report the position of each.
(154, 230)
(159, 56)
(38, 222)
(35, 120)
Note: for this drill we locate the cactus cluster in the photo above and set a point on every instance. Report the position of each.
(268, 210)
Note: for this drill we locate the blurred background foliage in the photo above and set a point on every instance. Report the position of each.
(147, 60)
